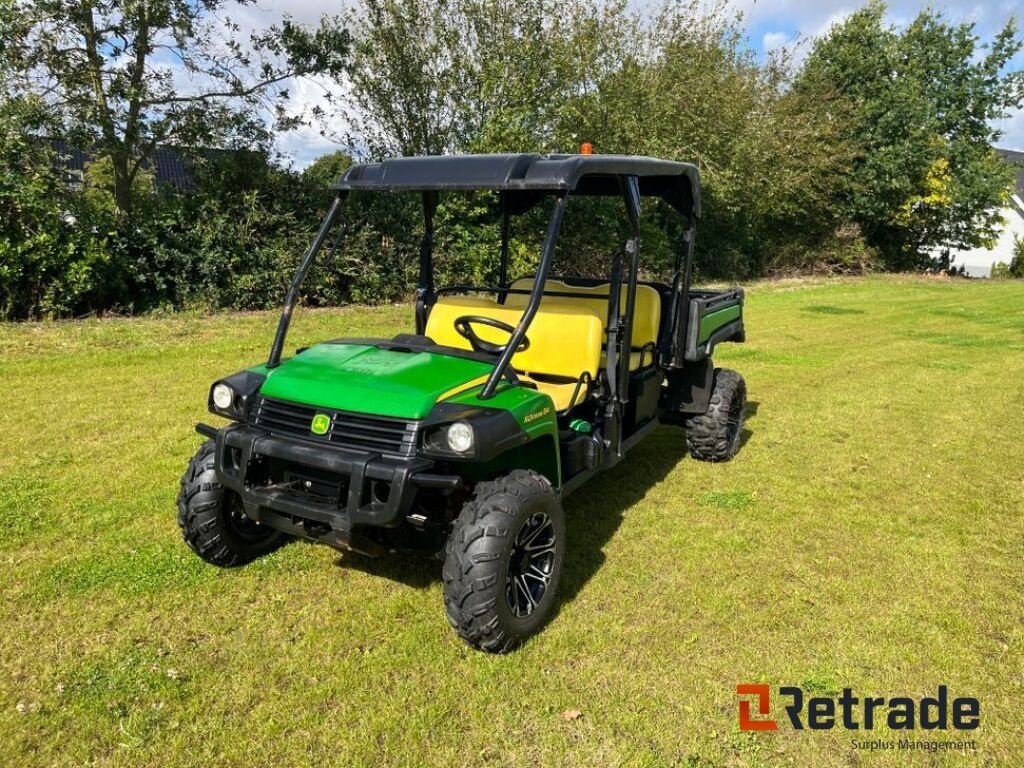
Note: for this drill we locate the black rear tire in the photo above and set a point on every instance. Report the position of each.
(503, 561)
(716, 434)
(212, 517)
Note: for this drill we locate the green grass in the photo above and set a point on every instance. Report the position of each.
(870, 534)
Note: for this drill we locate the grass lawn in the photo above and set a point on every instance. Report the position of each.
(869, 535)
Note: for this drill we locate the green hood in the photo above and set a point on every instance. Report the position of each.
(366, 379)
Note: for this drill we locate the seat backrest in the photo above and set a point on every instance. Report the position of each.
(564, 340)
(646, 316)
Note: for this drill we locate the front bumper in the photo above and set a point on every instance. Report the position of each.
(267, 472)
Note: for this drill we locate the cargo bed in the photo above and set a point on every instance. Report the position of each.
(713, 317)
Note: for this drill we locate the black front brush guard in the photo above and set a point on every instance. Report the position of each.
(281, 506)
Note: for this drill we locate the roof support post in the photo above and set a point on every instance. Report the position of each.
(300, 275)
(620, 322)
(503, 270)
(546, 257)
(632, 192)
(425, 293)
(682, 277)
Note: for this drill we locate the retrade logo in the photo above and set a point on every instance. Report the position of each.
(854, 713)
(748, 723)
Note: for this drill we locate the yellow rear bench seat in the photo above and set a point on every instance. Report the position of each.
(646, 317)
(565, 341)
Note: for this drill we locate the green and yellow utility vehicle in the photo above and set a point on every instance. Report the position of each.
(462, 439)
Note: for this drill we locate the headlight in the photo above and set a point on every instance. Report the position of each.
(223, 396)
(460, 437)
(230, 396)
(454, 440)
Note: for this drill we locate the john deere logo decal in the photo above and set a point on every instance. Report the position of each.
(321, 423)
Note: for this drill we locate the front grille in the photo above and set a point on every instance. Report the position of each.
(377, 434)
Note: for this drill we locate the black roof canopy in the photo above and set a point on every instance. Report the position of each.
(528, 177)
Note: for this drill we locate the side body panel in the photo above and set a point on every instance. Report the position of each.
(535, 413)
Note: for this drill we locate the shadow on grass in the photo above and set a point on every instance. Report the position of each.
(828, 309)
(748, 413)
(593, 515)
(412, 569)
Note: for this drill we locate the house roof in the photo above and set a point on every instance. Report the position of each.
(529, 175)
(1015, 158)
(169, 165)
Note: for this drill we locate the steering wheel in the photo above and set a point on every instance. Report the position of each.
(464, 327)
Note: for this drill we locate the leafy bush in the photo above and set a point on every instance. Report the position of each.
(1015, 269)
(1017, 262)
(866, 156)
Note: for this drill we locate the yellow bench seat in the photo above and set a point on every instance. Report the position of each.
(565, 341)
(646, 315)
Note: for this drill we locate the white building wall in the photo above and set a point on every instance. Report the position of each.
(978, 261)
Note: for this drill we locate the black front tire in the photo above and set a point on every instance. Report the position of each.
(503, 561)
(212, 517)
(716, 435)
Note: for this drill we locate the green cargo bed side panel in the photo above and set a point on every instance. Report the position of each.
(367, 379)
(712, 321)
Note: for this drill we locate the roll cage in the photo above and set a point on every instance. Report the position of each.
(522, 181)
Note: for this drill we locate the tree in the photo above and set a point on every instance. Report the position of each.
(439, 76)
(407, 74)
(687, 86)
(325, 171)
(30, 211)
(497, 76)
(921, 104)
(121, 77)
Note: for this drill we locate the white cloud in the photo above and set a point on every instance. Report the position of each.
(830, 21)
(812, 17)
(304, 145)
(1013, 132)
(774, 40)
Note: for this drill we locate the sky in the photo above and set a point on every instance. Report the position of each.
(770, 24)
